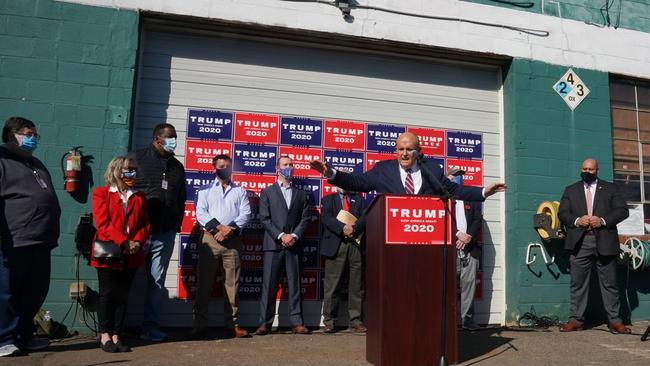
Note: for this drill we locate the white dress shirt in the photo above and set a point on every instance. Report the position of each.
(416, 174)
(125, 203)
(229, 206)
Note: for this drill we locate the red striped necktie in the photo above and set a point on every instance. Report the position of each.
(409, 187)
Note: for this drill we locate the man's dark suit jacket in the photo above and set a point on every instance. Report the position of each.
(474, 218)
(608, 204)
(384, 177)
(333, 228)
(277, 219)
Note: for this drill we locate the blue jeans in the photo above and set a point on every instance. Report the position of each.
(156, 255)
(24, 283)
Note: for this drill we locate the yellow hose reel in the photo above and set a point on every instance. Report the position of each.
(546, 221)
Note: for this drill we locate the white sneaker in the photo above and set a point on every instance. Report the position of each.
(36, 344)
(8, 350)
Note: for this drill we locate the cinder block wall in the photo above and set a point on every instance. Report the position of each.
(70, 69)
(630, 14)
(544, 145)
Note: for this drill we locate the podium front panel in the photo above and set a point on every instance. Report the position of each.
(404, 285)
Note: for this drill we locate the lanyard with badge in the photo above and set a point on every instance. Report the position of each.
(39, 179)
(165, 182)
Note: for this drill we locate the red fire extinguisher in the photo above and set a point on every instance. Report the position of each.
(72, 169)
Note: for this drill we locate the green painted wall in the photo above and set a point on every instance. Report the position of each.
(629, 14)
(70, 69)
(544, 145)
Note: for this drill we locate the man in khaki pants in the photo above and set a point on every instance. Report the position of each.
(222, 209)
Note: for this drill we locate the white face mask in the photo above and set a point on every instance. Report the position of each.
(170, 144)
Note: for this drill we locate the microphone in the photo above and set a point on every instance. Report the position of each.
(419, 157)
(426, 172)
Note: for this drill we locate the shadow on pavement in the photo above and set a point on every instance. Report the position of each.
(473, 344)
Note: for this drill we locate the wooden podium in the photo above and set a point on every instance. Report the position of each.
(404, 279)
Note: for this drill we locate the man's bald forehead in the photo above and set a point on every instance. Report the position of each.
(590, 161)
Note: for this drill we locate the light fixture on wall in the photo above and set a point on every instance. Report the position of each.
(345, 7)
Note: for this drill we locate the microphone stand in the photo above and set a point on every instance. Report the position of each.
(446, 197)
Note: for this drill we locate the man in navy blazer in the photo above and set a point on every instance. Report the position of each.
(284, 215)
(341, 249)
(394, 176)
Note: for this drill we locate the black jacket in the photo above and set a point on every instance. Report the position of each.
(474, 219)
(333, 228)
(608, 204)
(166, 208)
(30, 213)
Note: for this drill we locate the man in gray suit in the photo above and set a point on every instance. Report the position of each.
(590, 210)
(283, 213)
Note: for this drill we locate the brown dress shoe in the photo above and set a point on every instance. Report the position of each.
(329, 328)
(619, 328)
(300, 329)
(571, 326)
(262, 330)
(239, 332)
(360, 328)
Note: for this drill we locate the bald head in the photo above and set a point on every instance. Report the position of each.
(589, 170)
(410, 138)
(590, 165)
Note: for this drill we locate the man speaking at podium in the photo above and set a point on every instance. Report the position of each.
(405, 175)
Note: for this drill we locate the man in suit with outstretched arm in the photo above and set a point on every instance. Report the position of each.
(405, 175)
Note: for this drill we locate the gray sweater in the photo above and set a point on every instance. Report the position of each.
(30, 213)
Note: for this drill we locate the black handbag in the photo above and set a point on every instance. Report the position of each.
(106, 251)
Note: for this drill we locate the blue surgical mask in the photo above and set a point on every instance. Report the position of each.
(170, 144)
(286, 172)
(129, 174)
(28, 143)
(458, 179)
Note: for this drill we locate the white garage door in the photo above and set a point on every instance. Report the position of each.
(179, 72)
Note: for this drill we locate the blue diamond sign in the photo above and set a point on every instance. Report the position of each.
(571, 88)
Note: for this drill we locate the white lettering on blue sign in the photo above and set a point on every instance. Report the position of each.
(384, 134)
(464, 141)
(255, 154)
(211, 120)
(297, 127)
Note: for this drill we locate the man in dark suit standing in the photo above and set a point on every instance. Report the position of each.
(405, 175)
(590, 210)
(284, 215)
(341, 246)
(468, 224)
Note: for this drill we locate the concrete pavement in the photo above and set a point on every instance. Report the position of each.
(491, 346)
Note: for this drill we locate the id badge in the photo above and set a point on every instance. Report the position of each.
(165, 184)
(40, 181)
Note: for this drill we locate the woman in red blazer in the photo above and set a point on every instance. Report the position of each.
(120, 215)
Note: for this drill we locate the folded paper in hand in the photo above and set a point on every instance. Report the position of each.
(347, 218)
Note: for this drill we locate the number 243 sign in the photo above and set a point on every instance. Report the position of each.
(571, 88)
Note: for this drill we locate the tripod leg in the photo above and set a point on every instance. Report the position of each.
(644, 337)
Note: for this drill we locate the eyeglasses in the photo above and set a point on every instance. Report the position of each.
(37, 136)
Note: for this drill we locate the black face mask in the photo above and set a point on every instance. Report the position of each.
(588, 177)
(224, 174)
